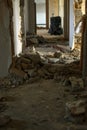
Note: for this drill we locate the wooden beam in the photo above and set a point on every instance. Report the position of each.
(47, 14)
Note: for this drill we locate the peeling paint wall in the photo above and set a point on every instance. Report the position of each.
(5, 38)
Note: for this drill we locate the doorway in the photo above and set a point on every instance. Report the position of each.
(40, 13)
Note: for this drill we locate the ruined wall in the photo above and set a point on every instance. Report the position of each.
(16, 23)
(5, 38)
(79, 10)
(19, 27)
(22, 24)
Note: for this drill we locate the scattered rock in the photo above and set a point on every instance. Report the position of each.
(67, 82)
(57, 54)
(76, 84)
(32, 73)
(53, 60)
(76, 111)
(76, 107)
(35, 58)
(41, 39)
(34, 40)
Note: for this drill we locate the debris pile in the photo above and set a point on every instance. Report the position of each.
(35, 40)
(48, 61)
(32, 66)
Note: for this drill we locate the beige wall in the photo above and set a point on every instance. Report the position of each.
(83, 7)
(53, 7)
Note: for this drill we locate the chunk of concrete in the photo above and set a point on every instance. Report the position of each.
(76, 108)
(76, 84)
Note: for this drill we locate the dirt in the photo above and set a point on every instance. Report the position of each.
(37, 106)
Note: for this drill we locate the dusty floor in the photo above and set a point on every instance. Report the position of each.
(37, 106)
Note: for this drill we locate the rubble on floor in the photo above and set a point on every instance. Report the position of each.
(76, 84)
(48, 61)
(35, 40)
(76, 111)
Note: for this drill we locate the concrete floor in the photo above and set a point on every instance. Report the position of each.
(37, 106)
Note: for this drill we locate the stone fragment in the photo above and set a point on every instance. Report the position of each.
(19, 73)
(76, 108)
(76, 84)
(35, 58)
(32, 73)
(57, 54)
(25, 59)
(41, 39)
(67, 82)
(34, 40)
(53, 60)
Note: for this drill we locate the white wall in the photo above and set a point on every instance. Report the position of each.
(16, 23)
(71, 21)
(41, 13)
